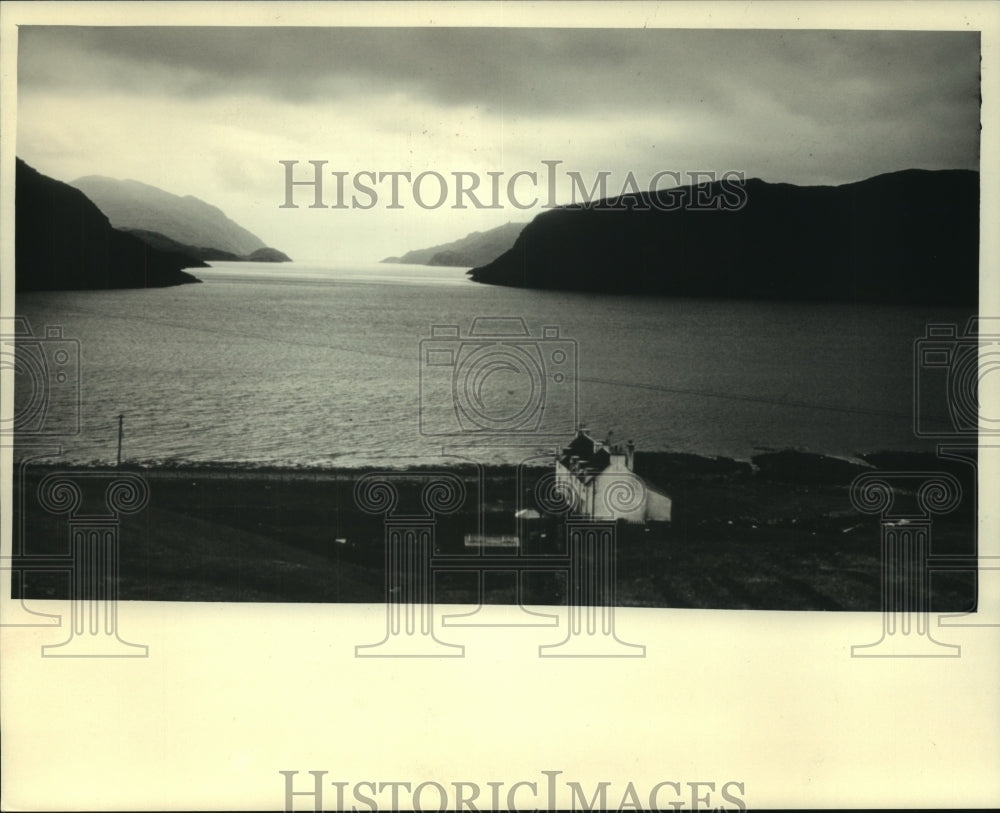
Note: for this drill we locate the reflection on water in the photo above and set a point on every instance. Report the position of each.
(300, 364)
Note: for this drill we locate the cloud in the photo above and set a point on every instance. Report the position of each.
(211, 111)
(537, 71)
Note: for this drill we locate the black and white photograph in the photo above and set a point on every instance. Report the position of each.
(462, 332)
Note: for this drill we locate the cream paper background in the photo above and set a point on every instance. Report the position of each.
(233, 693)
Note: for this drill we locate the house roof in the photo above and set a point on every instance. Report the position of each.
(583, 446)
(584, 455)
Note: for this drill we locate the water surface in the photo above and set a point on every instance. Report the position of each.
(317, 365)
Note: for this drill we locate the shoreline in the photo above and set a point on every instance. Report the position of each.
(769, 463)
(781, 536)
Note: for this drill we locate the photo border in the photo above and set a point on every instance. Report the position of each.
(232, 694)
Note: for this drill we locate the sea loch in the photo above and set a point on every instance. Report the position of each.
(317, 365)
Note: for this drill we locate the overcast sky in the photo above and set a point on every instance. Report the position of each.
(211, 111)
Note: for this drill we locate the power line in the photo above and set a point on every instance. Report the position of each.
(759, 399)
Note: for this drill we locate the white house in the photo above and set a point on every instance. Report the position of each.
(601, 479)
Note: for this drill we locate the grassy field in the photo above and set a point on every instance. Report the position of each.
(780, 535)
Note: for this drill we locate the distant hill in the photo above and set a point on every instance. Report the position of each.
(268, 255)
(190, 223)
(62, 241)
(160, 241)
(164, 243)
(909, 237)
(477, 248)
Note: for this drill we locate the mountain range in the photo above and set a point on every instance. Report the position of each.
(477, 248)
(909, 237)
(62, 241)
(171, 222)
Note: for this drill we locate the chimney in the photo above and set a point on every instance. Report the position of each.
(630, 456)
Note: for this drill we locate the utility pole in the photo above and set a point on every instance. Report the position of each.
(120, 419)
